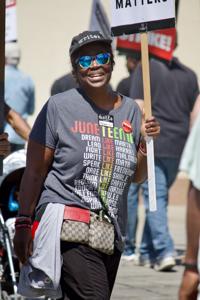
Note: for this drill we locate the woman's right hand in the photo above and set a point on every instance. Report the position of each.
(23, 244)
(4, 144)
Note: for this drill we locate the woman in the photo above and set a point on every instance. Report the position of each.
(84, 149)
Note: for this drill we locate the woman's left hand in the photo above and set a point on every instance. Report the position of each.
(189, 286)
(150, 127)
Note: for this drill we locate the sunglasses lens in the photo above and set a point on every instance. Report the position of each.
(103, 58)
(85, 61)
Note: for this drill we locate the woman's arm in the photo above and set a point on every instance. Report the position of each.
(190, 280)
(39, 160)
(151, 128)
(140, 174)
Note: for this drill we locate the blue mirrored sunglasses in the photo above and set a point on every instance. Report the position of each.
(86, 61)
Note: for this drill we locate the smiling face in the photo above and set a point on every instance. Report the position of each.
(96, 75)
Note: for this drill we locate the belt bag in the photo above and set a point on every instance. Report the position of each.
(75, 227)
(101, 233)
(85, 227)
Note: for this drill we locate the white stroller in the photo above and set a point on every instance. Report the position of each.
(13, 168)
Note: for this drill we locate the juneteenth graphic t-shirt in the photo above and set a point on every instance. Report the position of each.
(95, 153)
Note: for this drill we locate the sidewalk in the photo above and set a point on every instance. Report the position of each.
(140, 283)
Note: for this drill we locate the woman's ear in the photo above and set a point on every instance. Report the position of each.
(75, 75)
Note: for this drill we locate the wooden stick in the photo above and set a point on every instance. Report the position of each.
(145, 74)
(148, 113)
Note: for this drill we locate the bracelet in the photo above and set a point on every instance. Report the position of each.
(143, 149)
(191, 266)
(23, 220)
(18, 219)
(23, 215)
(20, 226)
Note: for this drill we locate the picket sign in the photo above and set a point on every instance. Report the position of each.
(161, 43)
(132, 16)
(129, 16)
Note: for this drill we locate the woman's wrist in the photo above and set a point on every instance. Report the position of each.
(24, 215)
(22, 221)
(142, 147)
(191, 266)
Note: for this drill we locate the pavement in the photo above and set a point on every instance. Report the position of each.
(141, 283)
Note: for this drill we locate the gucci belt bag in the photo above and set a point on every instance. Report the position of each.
(101, 233)
(75, 227)
(85, 227)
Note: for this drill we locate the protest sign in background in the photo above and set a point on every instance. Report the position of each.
(161, 43)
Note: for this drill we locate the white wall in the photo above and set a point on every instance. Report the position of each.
(45, 29)
(188, 25)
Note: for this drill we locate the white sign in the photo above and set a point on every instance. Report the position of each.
(133, 13)
(11, 22)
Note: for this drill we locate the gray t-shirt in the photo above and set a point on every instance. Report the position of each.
(95, 153)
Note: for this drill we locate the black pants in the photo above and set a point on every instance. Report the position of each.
(87, 274)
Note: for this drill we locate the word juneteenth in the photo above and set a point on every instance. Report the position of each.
(132, 3)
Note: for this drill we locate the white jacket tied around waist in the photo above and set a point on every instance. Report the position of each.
(41, 275)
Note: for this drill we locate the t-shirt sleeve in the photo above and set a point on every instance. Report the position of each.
(44, 130)
(136, 86)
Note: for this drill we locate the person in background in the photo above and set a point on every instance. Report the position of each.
(123, 87)
(19, 92)
(132, 60)
(18, 124)
(64, 83)
(190, 164)
(174, 91)
(73, 162)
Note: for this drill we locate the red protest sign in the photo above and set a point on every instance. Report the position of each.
(161, 42)
(10, 3)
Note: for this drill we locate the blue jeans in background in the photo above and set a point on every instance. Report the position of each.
(156, 240)
(132, 206)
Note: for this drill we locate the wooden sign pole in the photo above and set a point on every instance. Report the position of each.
(134, 19)
(145, 74)
(148, 113)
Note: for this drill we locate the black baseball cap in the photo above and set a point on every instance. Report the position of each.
(87, 37)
